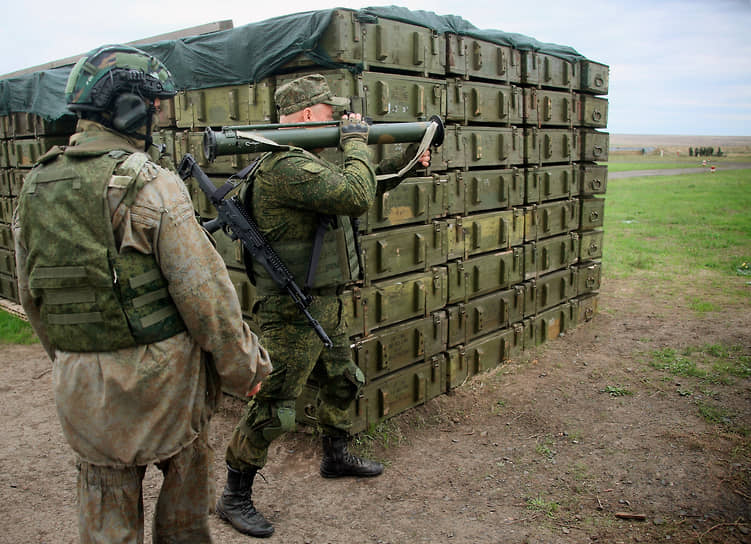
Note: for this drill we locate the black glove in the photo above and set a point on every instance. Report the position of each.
(352, 129)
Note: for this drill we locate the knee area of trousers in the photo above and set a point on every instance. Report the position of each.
(354, 381)
(341, 391)
(282, 420)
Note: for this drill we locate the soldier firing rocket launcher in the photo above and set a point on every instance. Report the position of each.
(237, 223)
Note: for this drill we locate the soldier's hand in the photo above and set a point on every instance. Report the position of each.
(424, 158)
(353, 127)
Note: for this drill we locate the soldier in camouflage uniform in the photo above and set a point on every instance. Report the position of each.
(132, 304)
(293, 194)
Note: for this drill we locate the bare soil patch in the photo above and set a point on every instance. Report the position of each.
(536, 451)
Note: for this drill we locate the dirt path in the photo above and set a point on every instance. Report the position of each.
(534, 452)
(679, 171)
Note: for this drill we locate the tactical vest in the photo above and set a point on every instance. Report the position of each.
(337, 262)
(91, 297)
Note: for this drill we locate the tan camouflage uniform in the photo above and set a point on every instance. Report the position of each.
(122, 410)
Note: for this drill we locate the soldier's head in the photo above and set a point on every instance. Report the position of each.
(120, 87)
(307, 99)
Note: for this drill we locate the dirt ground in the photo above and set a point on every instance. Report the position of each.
(534, 452)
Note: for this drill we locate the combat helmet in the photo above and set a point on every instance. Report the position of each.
(115, 85)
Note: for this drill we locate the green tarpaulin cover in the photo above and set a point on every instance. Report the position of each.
(247, 54)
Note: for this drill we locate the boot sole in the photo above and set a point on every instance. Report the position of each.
(348, 475)
(225, 517)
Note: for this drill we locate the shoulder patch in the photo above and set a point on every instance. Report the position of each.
(149, 171)
(133, 164)
(313, 167)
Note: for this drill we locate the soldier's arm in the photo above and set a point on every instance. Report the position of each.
(304, 182)
(396, 162)
(163, 217)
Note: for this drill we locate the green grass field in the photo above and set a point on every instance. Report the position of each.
(687, 229)
(620, 162)
(15, 331)
(628, 166)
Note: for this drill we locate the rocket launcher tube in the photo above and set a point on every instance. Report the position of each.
(239, 140)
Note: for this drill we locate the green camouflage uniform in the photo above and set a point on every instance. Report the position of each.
(146, 401)
(290, 190)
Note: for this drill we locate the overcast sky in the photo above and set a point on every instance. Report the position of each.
(676, 66)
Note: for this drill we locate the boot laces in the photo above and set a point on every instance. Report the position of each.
(353, 459)
(247, 509)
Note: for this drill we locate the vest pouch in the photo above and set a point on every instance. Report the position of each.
(151, 314)
(78, 309)
(337, 263)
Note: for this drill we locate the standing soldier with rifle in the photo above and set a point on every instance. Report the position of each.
(303, 204)
(132, 304)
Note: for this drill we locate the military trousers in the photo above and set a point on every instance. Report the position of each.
(297, 353)
(110, 500)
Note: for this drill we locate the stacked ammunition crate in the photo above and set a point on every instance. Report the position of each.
(495, 249)
(24, 137)
(492, 250)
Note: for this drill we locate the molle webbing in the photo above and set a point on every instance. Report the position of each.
(146, 300)
(337, 263)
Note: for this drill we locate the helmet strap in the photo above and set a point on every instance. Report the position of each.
(150, 112)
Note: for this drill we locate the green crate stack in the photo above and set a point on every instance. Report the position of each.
(8, 287)
(493, 250)
(506, 224)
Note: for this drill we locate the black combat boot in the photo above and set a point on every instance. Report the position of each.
(337, 461)
(235, 505)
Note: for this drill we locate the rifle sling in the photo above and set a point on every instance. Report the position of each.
(229, 185)
(242, 174)
(222, 191)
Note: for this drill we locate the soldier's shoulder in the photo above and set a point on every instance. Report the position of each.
(45, 163)
(293, 153)
(141, 166)
(52, 153)
(296, 160)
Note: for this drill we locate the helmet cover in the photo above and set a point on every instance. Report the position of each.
(105, 73)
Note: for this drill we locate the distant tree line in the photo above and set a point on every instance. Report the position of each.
(704, 152)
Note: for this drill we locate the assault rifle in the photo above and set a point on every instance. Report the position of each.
(234, 220)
